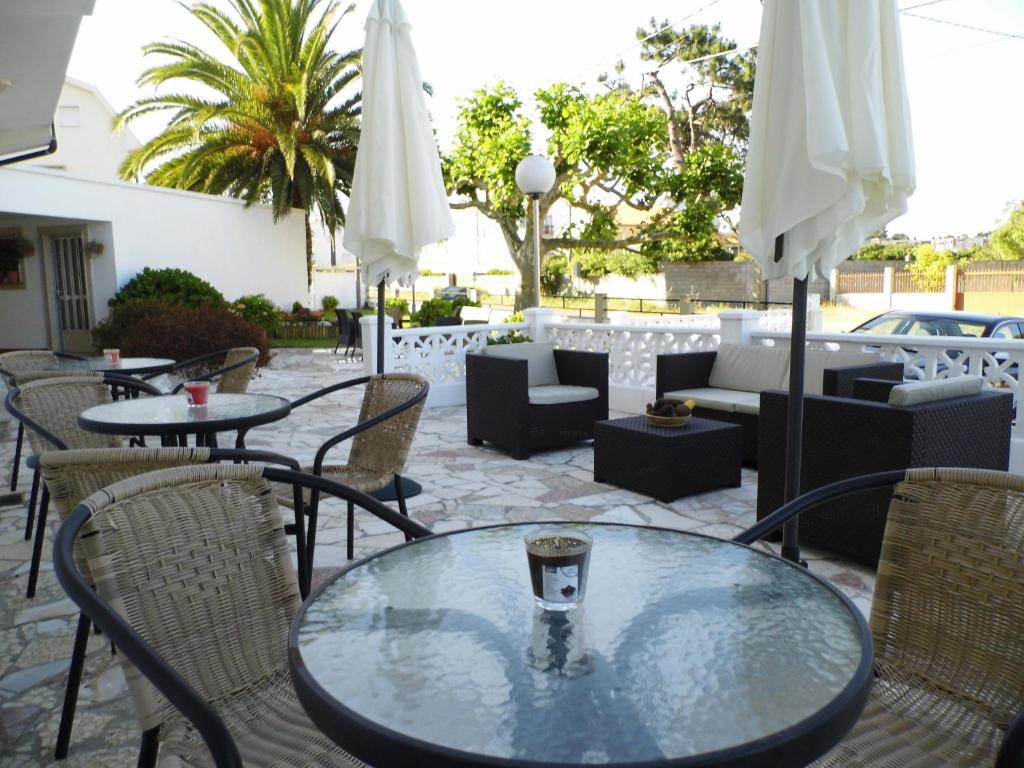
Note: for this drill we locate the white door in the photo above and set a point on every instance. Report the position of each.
(71, 290)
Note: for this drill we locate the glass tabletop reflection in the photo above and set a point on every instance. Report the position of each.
(684, 646)
(128, 365)
(172, 413)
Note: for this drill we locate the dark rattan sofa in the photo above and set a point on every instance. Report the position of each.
(498, 407)
(847, 437)
(691, 373)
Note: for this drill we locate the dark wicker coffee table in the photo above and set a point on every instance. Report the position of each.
(667, 463)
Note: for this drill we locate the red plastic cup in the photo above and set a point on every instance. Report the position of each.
(197, 392)
(113, 356)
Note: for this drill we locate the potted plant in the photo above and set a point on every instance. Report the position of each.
(10, 263)
(94, 247)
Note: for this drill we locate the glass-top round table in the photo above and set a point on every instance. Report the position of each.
(173, 419)
(130, 366)
(686, 651)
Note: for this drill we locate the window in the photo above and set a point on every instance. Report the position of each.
(69, 117)
(1008, 331)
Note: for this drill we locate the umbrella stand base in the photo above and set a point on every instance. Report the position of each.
(410, 488)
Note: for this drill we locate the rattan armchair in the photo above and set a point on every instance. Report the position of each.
(390, 412)
(230, 370)
(22, 366)
(196, 562)
(946, 620)
(48, 409)
(71, 476)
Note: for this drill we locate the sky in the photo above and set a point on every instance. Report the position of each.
(964, 84)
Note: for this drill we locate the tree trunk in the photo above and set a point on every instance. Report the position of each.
(521, 250)
(309, 252)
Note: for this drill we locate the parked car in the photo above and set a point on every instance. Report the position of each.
(452, 292)
(906, 323)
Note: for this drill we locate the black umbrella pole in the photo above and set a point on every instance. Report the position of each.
(380, 327)
(795, 421)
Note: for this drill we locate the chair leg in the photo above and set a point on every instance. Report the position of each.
(148, 748)
(37, 545)
(17, 456)
(401, 501)
(67, 714)
(32, 505)
(311, 514)
(350, 551)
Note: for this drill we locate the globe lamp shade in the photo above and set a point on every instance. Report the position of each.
(535, 175)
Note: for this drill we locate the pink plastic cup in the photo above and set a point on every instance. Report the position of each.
(197, 392)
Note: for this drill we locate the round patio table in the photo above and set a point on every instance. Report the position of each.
(172, 419)
(129, 366)
(687, 651)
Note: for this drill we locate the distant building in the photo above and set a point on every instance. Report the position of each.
(959, 243)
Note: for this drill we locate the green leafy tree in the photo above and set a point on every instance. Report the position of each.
(611, 155)
(929, 267)
(276, 124)
(1007, 241)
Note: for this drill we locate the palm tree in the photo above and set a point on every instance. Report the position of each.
(275, 126)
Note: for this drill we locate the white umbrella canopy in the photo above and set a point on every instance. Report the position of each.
(398, 202)
(830, 157)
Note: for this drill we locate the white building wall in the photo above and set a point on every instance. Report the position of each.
(239, 250)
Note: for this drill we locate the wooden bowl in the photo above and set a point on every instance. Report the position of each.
(667, 421)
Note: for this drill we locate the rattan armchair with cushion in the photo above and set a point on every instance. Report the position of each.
(946, 620)
(195, 585)
(48, 408)
(525, 397)
(847, 437)
(380, 443)
(72, 475)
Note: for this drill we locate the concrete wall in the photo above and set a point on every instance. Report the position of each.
(994, 302)
(239, 250)
(713, 281)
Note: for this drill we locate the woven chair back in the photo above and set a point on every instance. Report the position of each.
(26, 361)
(948, 607)
(385, 447)
(54, 404)
(73, 475)
(196, 559)
(237, 380)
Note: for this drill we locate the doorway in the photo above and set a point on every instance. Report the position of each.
(70, 289)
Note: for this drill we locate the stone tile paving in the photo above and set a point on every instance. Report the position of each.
(463, 486)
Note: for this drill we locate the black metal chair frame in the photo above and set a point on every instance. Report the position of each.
(321, 454)
(349, 331)
(185, 365)
(67, 715)
(1011, 751)
(125, 383)
(199, 712)
(11, 381)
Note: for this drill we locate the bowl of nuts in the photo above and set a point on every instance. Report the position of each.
(664, 412)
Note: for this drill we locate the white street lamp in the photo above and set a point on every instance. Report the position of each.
(535, 175)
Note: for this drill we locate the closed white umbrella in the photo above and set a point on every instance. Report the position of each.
(398, 202)
(830, 157)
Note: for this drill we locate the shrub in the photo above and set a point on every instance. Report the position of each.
(432, 309)
(430, 273)
(296, 307)
(259, 310)
(174, 286)
(463, 301)
(554, 274)
(183, 332)
(509, 337)
(110, 333)
(401, 304)
(329, 304)
(499, 272)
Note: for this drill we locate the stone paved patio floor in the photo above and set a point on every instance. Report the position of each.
(463, 486)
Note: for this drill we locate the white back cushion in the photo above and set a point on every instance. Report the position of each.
(750, 368)
(915, 392)
(539, 357)
(817, 360)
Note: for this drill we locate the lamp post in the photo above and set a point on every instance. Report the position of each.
(535, 175)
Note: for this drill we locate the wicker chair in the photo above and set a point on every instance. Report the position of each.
(22, 366)
(48, 408)
(946, 620)
(197, 564)
(71, 476)
(388, 417)
(229, 369)
(349, 332)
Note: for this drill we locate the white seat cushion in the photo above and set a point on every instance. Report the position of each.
(539, 357)
(817, 360)
(915, 392)
(550, 394)
(728, 400)
(749, 367)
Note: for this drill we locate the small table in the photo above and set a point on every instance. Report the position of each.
(172, 419)
(129, 366)
(667, 463)
(687, 651)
